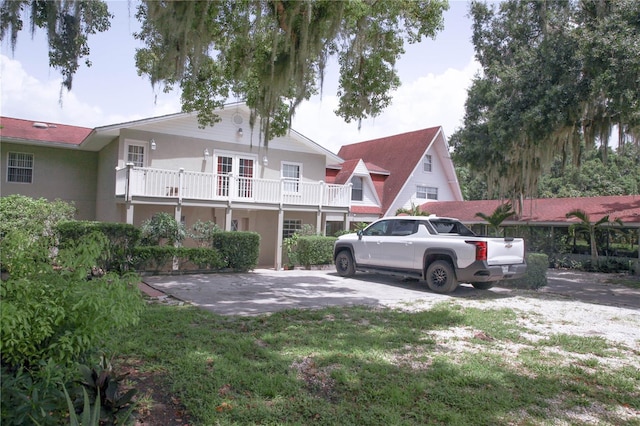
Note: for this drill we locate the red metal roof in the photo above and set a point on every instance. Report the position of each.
(545, 210)
(374, 210)
(34, 131)
(398, 155)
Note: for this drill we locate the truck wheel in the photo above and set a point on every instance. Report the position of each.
(344, 264)
(483, 285)
(441, 278)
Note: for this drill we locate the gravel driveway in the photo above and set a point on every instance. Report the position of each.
(573, 302)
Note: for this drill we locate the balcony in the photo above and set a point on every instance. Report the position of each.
(136, 182)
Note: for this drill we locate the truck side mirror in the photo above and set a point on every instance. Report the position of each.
(359, 234)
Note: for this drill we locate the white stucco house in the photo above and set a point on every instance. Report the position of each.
(126, 172)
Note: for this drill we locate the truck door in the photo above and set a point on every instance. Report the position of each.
(399, 248)
(370, 244)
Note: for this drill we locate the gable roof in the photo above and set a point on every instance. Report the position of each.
(545, 210)
(36, 133)
(397, 154)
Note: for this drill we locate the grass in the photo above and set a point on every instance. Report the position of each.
(357, 365)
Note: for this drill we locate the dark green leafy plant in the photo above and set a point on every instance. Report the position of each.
(239, 250)
(103, 388)
(315, 250)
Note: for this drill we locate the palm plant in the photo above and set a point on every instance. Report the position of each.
(588, 228)
(499, 215)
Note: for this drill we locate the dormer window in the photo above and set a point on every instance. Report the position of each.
(427, 163)
(356, 188)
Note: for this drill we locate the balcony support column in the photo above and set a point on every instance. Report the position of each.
(278, 265)
(228, 214)
(319, 227)
(129, 212)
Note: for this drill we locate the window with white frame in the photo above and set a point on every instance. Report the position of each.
(20, 167)
(427, 163)
(356, 188)
(135, 154)
(426, 192)
(290, 226)
(291, 175)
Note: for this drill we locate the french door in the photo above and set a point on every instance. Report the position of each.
(229, 166)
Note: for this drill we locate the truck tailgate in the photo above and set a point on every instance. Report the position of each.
(501, 251)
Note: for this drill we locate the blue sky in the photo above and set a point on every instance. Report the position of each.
(434, 73)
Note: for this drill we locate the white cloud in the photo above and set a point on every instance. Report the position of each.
(431, 100)
(24, 96)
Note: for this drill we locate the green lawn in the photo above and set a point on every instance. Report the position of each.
(366, 366)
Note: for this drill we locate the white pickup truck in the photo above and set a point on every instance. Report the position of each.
(441, 251)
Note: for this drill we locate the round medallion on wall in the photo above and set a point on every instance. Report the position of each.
(237, 119)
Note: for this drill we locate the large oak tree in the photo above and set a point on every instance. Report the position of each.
(556, 76)
(271, 53)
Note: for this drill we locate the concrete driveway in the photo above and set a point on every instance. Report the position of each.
(264, 290)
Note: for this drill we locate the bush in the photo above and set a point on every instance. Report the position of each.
(155, 258)
(240, 250)
(315, 250)
(56, 313)
(203, 232)
(36, 217)
(122, 239)
(162, 227)
(536, 275)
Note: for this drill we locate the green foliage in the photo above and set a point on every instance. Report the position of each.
(37, 217)
(162, 227)
(202, 232)
(57, 314)
(555, 76)
(32, 396)
(155, 258)
(101, 386)
(536, 275)
(499, 215)
(415, 210)
(291, 247)
(315, 250)
(90, 415)
(240, 250)
(68, 25)
(122, 238)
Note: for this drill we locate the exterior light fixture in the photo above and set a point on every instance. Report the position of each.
(206, 154)
(153, 145)
(265, 160)
(240, 131)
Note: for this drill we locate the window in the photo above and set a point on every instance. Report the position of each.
(426, 192)
(20, 167)
(404, 227)
(234, 168)
(356, 188)
(291, 176)
(378, 228)
(225, 166)
(426, 165)
(135, 155)
(290, 226)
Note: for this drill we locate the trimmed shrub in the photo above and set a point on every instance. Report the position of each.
(157, 258)
(240, 250)
(315, 250)
(536, 276)
(121, 236)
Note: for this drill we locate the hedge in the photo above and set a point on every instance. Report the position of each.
(161, 258)
(240, 250)
(315, 250)
(536, 275)
(122, 240)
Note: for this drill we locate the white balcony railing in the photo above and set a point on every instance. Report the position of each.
(158, 183)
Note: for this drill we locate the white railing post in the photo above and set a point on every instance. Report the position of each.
(321, 194)
(127, 186)
(180, 184)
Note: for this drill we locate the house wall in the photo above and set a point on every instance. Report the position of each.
(106, 208)
(175, 152)
(65, 174)
(437, 178)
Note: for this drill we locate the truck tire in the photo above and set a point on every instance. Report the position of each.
(483, 285)
(344, 264)
(440, 277)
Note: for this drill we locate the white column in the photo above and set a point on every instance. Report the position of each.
(319, 229)
(227, 219)
(129, 213)
(278, 264)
